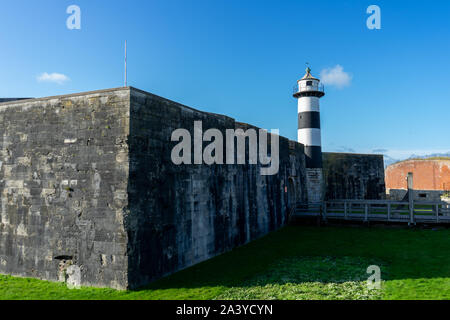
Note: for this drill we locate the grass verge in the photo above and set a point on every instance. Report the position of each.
(294, 263)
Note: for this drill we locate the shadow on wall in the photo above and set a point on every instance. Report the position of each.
(353, 176)
(181, 215)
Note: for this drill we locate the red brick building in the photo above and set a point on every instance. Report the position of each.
(428, 174)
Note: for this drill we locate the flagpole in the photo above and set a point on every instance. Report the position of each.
(125, 63)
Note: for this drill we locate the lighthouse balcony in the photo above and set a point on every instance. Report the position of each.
(302, 89)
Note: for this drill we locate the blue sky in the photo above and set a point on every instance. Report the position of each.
(242, 58)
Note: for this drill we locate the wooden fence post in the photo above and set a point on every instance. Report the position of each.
(389, 211)
(345, 210)
(411, 212)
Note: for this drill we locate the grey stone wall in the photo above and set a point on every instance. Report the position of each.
(86, 182)
(182, 215)
(418, 195)
(353, 176)
(314, 185)
(63, 187)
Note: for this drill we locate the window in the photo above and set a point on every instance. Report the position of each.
(309, 83)
(422, 195)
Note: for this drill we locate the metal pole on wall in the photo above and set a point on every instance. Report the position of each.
(411, 197)
(125, 82)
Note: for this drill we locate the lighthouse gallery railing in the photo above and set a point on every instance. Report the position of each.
(304, 88)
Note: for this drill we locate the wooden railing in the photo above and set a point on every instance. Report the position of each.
(378, 210)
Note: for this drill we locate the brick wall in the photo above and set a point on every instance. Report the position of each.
(427, 174)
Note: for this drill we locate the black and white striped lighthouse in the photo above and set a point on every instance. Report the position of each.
(308, 91)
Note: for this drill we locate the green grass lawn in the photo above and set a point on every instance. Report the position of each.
(294, 263)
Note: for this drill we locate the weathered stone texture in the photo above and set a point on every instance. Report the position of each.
(353, 176)
(87, 180)
(63, 187)
(182, 215)
(314, 185)
(418, 195)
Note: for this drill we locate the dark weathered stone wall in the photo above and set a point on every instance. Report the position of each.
(87, 181)
(63, 187)
(182, 215)
(353, 176)
(418, 195)
(11, 99)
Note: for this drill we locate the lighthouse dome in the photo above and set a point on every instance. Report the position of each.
(308, 86)
(308, 76)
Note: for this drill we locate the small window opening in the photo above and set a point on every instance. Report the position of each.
(64, 258)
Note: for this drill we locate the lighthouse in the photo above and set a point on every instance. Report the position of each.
(308, 92)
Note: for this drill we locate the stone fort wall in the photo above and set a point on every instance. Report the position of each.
(63, 187)
(87, 180)
(182, 215)
(353, 176)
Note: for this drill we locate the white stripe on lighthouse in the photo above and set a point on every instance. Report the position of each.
(310, 137)
(308, 104)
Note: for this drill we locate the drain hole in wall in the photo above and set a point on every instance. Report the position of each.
(64, 258)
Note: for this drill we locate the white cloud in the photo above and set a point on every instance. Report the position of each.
(336, 77)
(58, 78)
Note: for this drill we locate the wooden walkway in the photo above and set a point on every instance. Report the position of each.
(419, 212)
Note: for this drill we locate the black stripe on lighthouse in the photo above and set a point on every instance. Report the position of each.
(313, 157)
(309, 119)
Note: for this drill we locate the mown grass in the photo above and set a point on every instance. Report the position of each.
(309, 278)
(296, 262)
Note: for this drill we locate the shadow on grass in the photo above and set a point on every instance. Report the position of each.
(402, 253)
